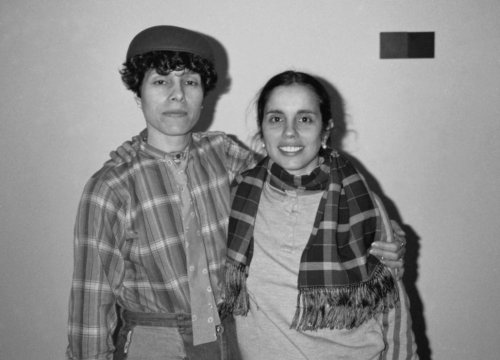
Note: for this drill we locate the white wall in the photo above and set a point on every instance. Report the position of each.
(425, 129)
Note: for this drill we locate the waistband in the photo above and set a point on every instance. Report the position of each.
(179, 320)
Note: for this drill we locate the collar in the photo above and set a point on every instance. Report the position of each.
(176, 156)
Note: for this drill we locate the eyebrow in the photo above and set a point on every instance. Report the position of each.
(301, 111)
(183, 72)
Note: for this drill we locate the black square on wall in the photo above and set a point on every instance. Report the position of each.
(406, 45)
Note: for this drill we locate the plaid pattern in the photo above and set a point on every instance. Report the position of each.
(129, 245)
(340, 285)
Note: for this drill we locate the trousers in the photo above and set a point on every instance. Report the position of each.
(169, 337)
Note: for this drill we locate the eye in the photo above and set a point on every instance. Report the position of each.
(192, 82)
(305, 119)
(273, 119)
(160, 81)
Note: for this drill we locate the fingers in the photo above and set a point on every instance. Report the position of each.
(393, 260)
(392, 254)
(127, 146)
(115, 157)
(126, 152)
(387, 251)
(393, 264)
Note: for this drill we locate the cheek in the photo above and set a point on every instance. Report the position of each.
(268, 136)
(315, 138)
(196, 97)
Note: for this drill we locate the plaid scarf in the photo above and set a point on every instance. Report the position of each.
(340, 286)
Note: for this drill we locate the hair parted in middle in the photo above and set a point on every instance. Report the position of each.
(164, 62)
(288, 78)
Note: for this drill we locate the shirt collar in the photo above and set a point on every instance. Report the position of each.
(159, 154)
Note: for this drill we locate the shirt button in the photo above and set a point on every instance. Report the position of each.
(210, 320)
(194, 318)
(191, 268)
(209, 289)
(204, 271)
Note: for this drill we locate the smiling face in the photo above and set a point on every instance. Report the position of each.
(292, 128)
(171, 105)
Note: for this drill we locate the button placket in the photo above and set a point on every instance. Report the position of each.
(204, 312)
(202, 301)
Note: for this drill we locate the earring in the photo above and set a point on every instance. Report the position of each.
(324, 141)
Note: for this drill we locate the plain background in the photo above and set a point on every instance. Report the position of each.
(424, 130)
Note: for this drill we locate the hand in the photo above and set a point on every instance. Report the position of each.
(391, 254)
(125, 153)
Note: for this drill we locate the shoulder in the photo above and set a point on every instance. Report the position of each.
(212, 138)
(219, 138)
(110, 178)
(249, 175)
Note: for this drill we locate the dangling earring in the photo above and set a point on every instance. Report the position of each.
(325, 140)
(327, 134)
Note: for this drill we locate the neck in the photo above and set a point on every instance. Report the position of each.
(169, 144)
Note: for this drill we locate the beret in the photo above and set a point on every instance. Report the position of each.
(170, 38)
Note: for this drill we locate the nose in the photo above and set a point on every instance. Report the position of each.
(177, 92)
(289, 130)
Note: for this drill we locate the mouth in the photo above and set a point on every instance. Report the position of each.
(290, 149)
(175, 113)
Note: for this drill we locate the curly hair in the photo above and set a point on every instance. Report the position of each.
(164, 62)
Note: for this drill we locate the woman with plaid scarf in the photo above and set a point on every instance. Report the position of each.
(300, 279)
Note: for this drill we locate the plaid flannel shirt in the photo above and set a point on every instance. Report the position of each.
(128, 247)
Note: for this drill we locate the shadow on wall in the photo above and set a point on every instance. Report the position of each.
(223, 86)
(412, 249)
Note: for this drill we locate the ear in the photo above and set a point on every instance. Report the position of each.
(326, 134)
(330, 125)
(138, 101)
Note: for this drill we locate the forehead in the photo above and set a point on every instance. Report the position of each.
(295, 96)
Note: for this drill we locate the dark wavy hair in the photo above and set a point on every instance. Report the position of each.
(290, 77)
(164, 62)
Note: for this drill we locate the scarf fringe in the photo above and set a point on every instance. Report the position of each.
(236, 299)
(345, 307)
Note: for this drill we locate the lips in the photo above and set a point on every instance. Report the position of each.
(175, 113)
(290, 149)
